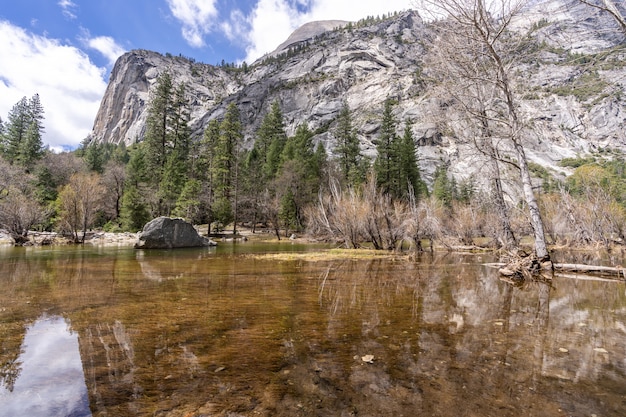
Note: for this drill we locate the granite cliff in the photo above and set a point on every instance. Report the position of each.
(325, 64)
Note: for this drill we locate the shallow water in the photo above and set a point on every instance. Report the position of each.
(221, 332)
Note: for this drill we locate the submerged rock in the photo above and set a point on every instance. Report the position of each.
(169, 233)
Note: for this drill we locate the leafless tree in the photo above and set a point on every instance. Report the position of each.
(474, 42)
(113, 181)
(79, 200)
(19, 213)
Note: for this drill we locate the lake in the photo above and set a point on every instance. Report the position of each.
(231, 331)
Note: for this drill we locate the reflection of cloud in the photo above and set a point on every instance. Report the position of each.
(52, 381)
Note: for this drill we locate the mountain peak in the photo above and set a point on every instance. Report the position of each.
(307, 32)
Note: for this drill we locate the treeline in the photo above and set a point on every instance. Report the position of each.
(214, 181)
(282, 183)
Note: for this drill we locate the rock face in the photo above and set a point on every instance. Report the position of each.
(168, 233)
(314, 72)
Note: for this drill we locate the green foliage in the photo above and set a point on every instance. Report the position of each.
(271, 139)
(222, 212)
(396, 166)
(386, 145)
(188, 204)
(134, 212)
(347, 149)
(167, 126)
(549, 183)
(576, 162)
(588, 85)
(408, 169)
(288, 213)
(444, 187)
(21, 140)
(174, 177)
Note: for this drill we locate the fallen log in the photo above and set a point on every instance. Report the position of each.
(614, 272)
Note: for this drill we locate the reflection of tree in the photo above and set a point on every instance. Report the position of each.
(10, 351)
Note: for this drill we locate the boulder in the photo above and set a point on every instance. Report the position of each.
(169, 233)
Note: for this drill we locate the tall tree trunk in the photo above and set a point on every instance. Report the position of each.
(541, 249)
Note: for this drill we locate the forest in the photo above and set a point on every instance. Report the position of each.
(293, 184)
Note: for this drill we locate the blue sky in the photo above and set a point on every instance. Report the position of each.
(64, 50)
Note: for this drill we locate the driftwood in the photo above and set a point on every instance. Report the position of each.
(566, 270)
(617, 272)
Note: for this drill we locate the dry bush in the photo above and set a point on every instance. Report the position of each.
(591, 218)
(338, 215)
(356, 217)
(424, 222)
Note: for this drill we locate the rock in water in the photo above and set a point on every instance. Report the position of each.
(168, 233)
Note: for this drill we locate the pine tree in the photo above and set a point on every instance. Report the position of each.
(179, 122)
(157, 125)
(408, 169)
(23, 132)
(172, 181)
(135, 211)
(347, 148)
(227, 152)
(208, 159)
(444, 188)
(188, 204)
(271, 139)
(385, 165)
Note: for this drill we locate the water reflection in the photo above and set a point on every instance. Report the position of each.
(218, 332)
(47, 378)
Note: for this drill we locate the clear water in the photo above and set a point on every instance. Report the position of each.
(223, 332)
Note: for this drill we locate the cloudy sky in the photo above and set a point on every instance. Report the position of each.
(64, 50)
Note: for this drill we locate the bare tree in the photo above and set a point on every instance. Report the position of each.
(113, 180)
(475, 43)
(79, 201)
(19, 213)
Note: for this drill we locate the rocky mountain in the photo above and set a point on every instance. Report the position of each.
(322, 65)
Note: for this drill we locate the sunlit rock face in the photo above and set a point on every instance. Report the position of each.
(325, 64)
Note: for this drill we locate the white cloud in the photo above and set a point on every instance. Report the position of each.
(196, 17)
(272, 21)
(107, 46)
(67, 6)
(69, 85)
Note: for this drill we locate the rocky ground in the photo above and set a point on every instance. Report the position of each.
(94, 238)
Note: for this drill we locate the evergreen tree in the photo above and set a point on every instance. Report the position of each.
(408, 169)
(32, 146)
(208, 159)
(270, 141)
(227, 152)
(179, 122)
(172, 181)
(444, 188)
(157, 125)
(94, 156)
(188, 205)
(23, 131)
(134, 210)
(288, 212)
(385, 165)
(347, 148)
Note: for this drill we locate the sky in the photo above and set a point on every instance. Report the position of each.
(64, 50)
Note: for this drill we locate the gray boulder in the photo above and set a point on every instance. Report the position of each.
(168, 233)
